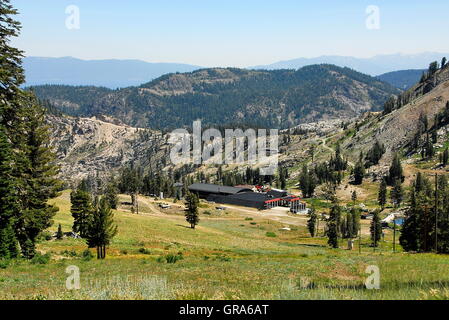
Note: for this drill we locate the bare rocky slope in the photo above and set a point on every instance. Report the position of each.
(98, 147)
(398, 129)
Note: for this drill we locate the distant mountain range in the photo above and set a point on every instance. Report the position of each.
(105, 73)
(125, 73)
(373, 66)
(403, 79)
(276, 99)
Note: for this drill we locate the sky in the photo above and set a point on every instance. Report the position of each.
(230, 33)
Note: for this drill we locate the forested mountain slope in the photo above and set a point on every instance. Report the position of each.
(408, 120)
(276, 99)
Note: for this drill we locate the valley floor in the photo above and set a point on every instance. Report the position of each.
(233, 254)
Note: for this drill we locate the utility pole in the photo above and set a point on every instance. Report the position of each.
(360, 238)
(394, 235)
(374, 235)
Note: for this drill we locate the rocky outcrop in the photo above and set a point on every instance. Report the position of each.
(90, 147)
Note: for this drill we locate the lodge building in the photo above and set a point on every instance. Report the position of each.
(246, 197)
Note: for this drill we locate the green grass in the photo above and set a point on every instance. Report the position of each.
(220, 260)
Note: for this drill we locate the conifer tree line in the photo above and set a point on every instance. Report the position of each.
(426, 225)
(331, 171)
(342, 223)
(27, 170)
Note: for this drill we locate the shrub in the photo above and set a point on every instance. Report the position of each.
(207, 212)
(71, 253)
(124, 252)
(41, 258)
(45, 236)
(253, 223)
(87, 255)
(171, 258)
(223, 258)
(249, 219)
(271, 234)
(4, 263)
(160, 259)
(144, 251)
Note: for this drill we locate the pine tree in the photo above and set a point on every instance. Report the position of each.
(304, 181)
(376, 229)
(8, 201)
(416, 233)
(192, 215)
(22, 120)
(102, 228)
(81, 209)
(334, 224)
(111, 195)
(312, 223)
(374, 154)
(397, 194)
(39, 182)
(131, 183)
(59, 234)
(11, 74)
(433, 68)
(445, 157)
(395, 171)
(307, 182)
(382, 195)
(359, 173)
(355, 216)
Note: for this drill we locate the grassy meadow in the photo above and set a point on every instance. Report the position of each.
(230, 255)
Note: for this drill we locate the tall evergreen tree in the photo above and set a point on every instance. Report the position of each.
(445, 158)
(81, 209)
(111, 194)
(376, 229)
(192, 215)
(382, 195)
(130, 183)
(397, 194)
(359, 173)
(22, 120)
(355, 216)
(39, 179)
(307, 182)
(395, 171)
(102, 228)
(8, 201)
(334, 224)
(312, 223)
(11, 73)
(59, 233)
(416, 233)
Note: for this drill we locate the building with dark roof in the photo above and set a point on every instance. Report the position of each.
(246, 197)
(204, 190)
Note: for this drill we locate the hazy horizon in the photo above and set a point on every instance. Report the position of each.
(231, 34)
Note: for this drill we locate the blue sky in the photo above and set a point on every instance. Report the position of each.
(230, 32)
